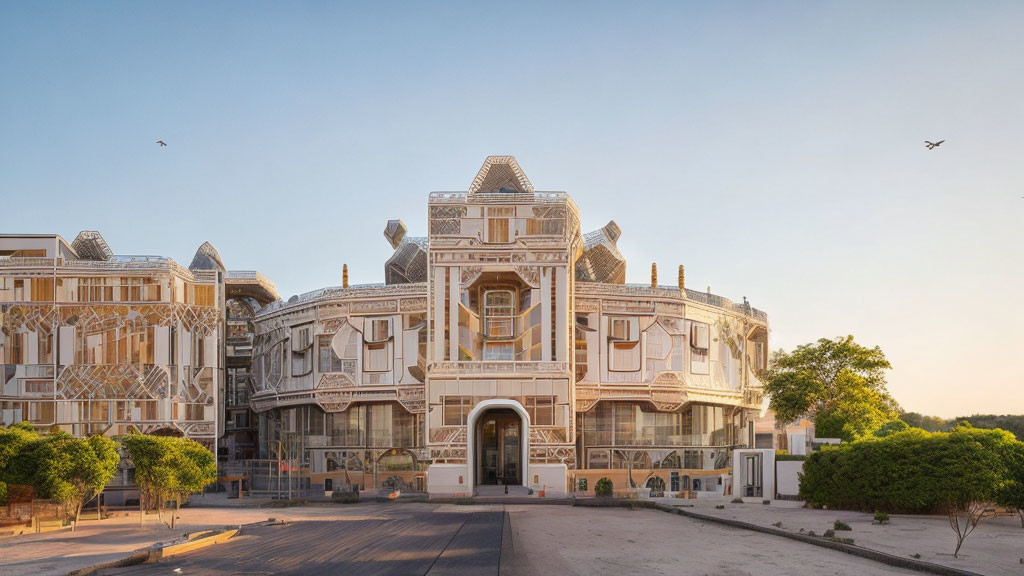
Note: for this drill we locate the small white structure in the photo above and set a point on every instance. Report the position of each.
(753, 473)
(787, 478)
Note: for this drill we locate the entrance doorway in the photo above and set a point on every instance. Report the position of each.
(499, 448)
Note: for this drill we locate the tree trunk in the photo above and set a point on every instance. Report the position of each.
(142, 510)
(78, 512)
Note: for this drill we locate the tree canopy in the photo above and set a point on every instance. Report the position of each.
(58, 466)
(169, 468)
(837, 383)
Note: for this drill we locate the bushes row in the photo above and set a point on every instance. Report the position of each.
(917, 471)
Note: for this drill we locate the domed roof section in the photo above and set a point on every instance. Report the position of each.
(207, 258)
(90, 245)
(501, 174)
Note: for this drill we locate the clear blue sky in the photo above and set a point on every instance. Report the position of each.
(775, 149)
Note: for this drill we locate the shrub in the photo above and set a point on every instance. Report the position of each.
(737, 501)
(720, 507)
(830, 533)
(881, 517)
(603, 487)
(910, 471)
(840, 525)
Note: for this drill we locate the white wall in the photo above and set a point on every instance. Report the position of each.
(443, 480)
(787, 480)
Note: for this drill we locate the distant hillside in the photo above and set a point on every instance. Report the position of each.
(1010, 422)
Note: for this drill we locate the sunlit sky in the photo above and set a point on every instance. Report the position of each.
(775, 149)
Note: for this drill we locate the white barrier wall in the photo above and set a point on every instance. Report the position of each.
(787, 477)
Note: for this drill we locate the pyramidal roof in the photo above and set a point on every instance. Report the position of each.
(501, 174)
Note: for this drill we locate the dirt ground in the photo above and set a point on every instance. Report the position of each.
(995, 548)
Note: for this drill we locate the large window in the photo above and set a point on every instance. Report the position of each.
(637, 424)
(498, 313)
(541, 410)
(456, 409)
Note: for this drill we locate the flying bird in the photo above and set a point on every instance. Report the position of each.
(162, 143)
(930, 145)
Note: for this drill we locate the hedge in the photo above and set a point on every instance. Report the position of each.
(913, 470)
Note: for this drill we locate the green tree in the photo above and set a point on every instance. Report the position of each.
(17, 456)
(838, 383)
(929, 423)
(72, 471)
(1011, 493)
(168, 468)
(891, 427)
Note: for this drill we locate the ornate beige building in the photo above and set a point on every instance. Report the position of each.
(505, 348)
(96, 343)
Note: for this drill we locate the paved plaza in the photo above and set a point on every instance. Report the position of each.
(508, 540)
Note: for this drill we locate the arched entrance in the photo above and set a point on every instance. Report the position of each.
(497, 447)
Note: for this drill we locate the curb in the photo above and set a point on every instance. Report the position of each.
(883, 557)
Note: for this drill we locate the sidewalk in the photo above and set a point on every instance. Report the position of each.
(98, 541)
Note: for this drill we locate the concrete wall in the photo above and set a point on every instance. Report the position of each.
(446, 480)
(548, 477)
(787, 480)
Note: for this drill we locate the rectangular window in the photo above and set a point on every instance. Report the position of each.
(623, 346)
(376, 357)
(499, 351)
(302, 351)
(541, 410)
(625, 357)
(699, 344)
(42, 290)
(329, 361)
(147, 409)
(456, 409)
(498, 220)
(39, 386)
(195, 412)
(499, 313)
(380, 330)
(618, 329)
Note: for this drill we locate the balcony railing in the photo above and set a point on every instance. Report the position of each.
(497, 367)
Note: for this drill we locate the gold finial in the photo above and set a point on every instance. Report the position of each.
(344, 275)
(682, 277)
(654, 275)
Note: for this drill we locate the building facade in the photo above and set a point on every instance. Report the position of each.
(95, 343)
(506, 349)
